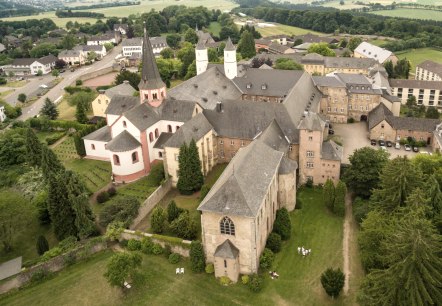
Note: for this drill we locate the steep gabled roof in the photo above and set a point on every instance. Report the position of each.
(102, 134)
(120, 104)
(194, 129)
(226, 250)
(243, 185)
(124, 89)
(377, 115)
(331, 151)
(372, 51)
(123, 142)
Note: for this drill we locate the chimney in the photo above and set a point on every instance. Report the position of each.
(219, 107)
(126, 82)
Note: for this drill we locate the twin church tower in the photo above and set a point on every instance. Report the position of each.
(230, 65)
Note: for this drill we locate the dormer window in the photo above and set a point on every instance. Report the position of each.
(264, 86)
(249, 86)
(124, 124)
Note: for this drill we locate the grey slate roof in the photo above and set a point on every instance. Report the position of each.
(200, 45)
(278, 48)
(48, 59)
(432, 67)
(312, 38)
(123, 142)
(150, 76)
(246, 119)
(327, 81)
(405, 83)
(124, 89)
(206, 89)
(377, 115)
(135, 41)
(353, 78)
(243, 185)
(229, 45)
(89, 48)
(226, 250)
(331, 151)
(349, 62)
(287, 166)
(276, 82)
(23, 61)
(312, 58)
(312, 122)
(120, 104)
(194, 129)
(69, 53)
(274, 137)
(102, 134)
(164, 137)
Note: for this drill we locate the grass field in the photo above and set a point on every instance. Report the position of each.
(66, 112)
(157, 284)
(215, 28)
(6, 93)
(284, 29)
(417, 56)
(412, 13)
(60, 22)
(15, 84)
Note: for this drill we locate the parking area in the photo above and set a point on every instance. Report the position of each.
(355, 135)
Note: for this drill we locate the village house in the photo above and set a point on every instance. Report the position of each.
(72, 57)
(106, 38)
(101, 102)
(121, 27)
(31, 66)
(315, 39)
(429, 71)
(427, 93)
(134, 46)
(367, 50)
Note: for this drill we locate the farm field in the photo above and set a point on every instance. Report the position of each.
(61, 22)
(284, 29)
(412, 13)
(417, 56)
(298, 284)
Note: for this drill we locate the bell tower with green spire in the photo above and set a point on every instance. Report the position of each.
(152, 88)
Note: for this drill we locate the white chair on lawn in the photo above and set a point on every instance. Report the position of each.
(177, 271)
(182, 271)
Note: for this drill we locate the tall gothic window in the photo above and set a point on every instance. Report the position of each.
(227, 226)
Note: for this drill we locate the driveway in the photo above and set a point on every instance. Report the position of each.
(354, 136)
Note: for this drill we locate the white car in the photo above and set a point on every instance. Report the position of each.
(407, 147)
(397, 145)
(43, 86)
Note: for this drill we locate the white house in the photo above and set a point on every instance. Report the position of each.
(72, 57)
(121, 27)
(31, 66)
(132, 46)
(99, 50)
(367, 50)
(107, 38)
(2, 113)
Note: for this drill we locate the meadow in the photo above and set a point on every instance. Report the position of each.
(157, 284)
(284, 29)
(417, 56)
(412, 13)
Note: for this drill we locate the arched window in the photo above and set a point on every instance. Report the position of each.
(124, 124)
(150, 137)
(169, 128)
(93, 146)
(227, 226)
(156, 133)
(134, 157)
(116, 160)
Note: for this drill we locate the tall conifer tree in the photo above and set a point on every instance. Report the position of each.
(196, 174)
(33, 148)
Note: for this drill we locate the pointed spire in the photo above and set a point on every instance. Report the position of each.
(229, 45)
(150, 76)
(196, 27)
(200, 45)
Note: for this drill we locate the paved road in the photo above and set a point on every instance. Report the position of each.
(57, 91)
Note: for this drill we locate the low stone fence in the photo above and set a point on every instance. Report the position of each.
(177, 245)
(52, 265)
(97, 73)
(151, 201)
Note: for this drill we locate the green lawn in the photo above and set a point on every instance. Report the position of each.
(66, 111)
(6, 93)
(298, 284)
(15, 84)
(60, 22)
(417, 56)
(284, 29)
(215, 28)
(412, 13)
(25, 239)
(95, 173)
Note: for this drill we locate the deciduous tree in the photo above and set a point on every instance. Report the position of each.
(121, 267)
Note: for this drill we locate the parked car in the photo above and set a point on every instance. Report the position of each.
(62, 70)
(382, 143)
(425, 153)
(331, 132)
(43, 86)
(397, 145)
(72, 69)
(389, 143)
(407, 147)
(330, 126)
(415, 149)
(373, 142)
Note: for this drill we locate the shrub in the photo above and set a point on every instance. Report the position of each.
(39, 275)
(112, 191)
(78, 82)
(102, 197)
(158, 220)
(204, 191)
(266, 259)
(360, 209)
(157, 174)
(210, 269)
(245, 279)
(167, 251)
(147, 245)
(157, 249)
(53, 139)
(298, 203)
(333, 281)
(197, 257)
(172, 211)
(184, 227)
(69, 259)
(274, 242)
(71, 90)
(3, 81)
(122, 209)
(309, 183)
(134, 245)
(174, 258)
(255, 283)
(350, 120)
(123, 243)
(283, 224)
(114, 230)
(42, 245)
(224, 280)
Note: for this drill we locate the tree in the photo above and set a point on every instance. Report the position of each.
(411, 101)
(184, 227)
(246, 45)
(50, 164)
(191, 70)
(434, 194)
(108, 46)
(389, 67)
(186, 55)
(195, 174)
(39, 72)
(354, 42)
(282, 224)
(43, 49)
(402, 69)
(173, 40)
(172, 211)
(124, 209)
(432, 113)
(365, 168)
(33, 148)
(191, 36)
(121, 267)
(158, 220)
(274, 242)
(328, 194)
(212, 54)
(339, 203)
(42, 245)
(167, 53)
(55, 73)
(133, 78)
(60, 64)
(49, 109)
(22, 98)
(68, 42)
(84, 217)
(80, 113)
(197, 257)
(252, 30)
(287, 64)
(92, 56)
(322, 49)
(333, 281)
(14, 213)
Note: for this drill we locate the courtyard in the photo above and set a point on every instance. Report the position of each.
(354, 136)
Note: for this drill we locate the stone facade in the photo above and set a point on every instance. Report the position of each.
(228, 147)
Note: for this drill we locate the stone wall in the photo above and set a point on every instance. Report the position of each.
(175, 247)
(52, 265)
(94, 74)
(151, 201)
